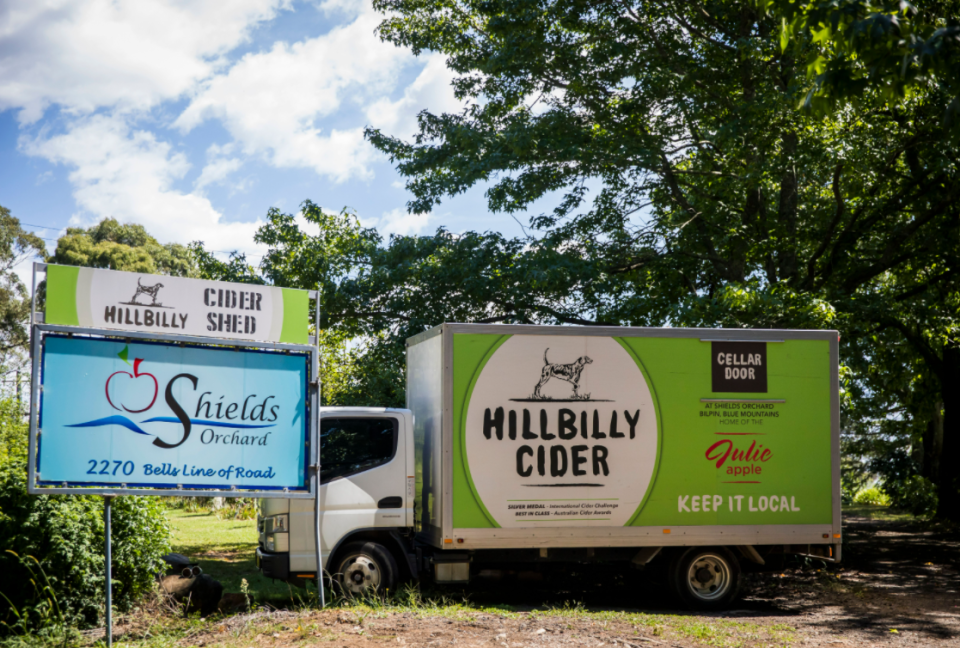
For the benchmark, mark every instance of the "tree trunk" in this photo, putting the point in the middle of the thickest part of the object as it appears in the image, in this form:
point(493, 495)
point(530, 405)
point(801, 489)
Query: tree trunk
point(948, 486)
point(788, 208)
point(933, 445)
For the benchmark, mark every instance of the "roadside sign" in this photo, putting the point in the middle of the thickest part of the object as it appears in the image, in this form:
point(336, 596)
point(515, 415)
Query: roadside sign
point(125, 415)
point(161, 305)
point(154, 385)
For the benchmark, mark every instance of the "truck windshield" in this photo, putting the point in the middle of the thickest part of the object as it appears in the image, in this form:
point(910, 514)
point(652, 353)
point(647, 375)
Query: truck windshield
point(352, 445)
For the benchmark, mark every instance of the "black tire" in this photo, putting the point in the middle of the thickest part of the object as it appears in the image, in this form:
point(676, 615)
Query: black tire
point(365, 568)
point(705, 578)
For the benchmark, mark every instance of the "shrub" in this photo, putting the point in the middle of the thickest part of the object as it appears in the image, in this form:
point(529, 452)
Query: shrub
point(872, 495)
point(917, 495)
point(13, 432)
point(65, 533)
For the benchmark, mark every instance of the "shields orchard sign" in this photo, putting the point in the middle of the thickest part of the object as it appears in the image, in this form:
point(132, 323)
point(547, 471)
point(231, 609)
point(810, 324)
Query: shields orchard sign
point(169, 415)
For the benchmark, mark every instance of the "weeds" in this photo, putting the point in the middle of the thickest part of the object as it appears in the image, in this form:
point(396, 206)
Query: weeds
point(44, 624)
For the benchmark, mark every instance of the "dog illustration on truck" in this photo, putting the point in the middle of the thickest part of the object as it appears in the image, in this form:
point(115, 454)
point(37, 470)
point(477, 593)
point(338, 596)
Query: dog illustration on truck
point(568, 372)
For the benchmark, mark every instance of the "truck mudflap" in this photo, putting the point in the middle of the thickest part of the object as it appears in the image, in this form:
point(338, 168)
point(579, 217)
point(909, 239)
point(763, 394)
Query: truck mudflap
point(273, 565)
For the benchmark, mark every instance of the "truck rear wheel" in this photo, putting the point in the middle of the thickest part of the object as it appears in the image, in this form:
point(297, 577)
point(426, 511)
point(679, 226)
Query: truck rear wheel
point(365, 568)
point(706, 578)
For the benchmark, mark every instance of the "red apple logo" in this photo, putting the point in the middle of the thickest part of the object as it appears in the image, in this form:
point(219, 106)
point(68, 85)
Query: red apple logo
point(134, 376)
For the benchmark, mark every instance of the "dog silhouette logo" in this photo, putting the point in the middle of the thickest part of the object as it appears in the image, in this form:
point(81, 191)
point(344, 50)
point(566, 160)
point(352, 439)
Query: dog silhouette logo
point(149, 291)
point(571, 372)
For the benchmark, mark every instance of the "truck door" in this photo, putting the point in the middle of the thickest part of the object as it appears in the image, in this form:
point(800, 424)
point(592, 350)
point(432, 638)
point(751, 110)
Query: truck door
point(362, 482)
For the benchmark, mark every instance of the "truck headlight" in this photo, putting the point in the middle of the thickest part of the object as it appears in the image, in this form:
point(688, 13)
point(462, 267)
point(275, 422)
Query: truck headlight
point(277, 542)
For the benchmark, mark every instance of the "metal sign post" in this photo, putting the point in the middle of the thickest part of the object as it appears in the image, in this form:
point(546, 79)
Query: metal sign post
point(108, 563)
point(316, 512)
point(316, 517)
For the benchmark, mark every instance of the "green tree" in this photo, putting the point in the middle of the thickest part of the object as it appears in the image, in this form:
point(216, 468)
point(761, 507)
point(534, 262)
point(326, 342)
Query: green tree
point(375, 293)
point(892, 47)
point(16, 245)
point(114, 246)
point(692, 191)
point(236, 269)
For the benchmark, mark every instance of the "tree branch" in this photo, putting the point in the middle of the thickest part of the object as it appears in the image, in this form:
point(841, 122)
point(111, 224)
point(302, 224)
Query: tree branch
point(917, 342)
point(837, 217)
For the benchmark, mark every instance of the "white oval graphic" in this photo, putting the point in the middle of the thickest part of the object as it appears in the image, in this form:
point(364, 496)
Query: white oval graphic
point(561, 430)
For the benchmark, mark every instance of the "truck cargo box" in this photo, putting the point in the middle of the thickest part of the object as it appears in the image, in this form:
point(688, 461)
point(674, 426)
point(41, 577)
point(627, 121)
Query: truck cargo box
point(543, 436)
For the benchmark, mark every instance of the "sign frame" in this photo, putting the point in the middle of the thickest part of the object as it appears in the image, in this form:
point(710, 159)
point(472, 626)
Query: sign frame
point(40, 330)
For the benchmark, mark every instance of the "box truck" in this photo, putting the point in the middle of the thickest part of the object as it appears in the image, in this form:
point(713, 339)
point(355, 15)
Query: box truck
point(525, 447)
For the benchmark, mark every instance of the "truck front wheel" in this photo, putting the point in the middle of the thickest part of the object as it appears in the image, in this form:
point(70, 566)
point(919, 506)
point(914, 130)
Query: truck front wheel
point(706, 578)
point(365, 568)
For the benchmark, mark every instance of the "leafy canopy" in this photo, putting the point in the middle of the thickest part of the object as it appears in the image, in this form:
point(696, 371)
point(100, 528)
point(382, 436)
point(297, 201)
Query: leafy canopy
point(115, 246)
point(16, 245)
point(893, 47)
point(691, 190)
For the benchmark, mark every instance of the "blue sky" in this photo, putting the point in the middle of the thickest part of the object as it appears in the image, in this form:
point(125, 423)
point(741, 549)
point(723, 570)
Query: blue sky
point(193, 118)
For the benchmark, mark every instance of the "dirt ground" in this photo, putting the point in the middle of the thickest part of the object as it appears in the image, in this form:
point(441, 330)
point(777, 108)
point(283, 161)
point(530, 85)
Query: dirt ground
point(898, 585)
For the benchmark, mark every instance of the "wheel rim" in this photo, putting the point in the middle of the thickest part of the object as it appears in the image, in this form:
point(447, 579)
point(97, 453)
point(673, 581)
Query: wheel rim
point(709, 577)
point(359, 574)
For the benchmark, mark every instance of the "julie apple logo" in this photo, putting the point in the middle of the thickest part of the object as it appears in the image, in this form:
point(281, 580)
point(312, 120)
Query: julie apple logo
point(136, 392)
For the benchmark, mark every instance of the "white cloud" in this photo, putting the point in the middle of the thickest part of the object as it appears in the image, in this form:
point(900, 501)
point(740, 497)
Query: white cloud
point(216, 172)
point(348, 7)
point(273, 102)
point(128, 175)
point(132, 54)
point(398, 221)
point(431, 90)
point(109, 64)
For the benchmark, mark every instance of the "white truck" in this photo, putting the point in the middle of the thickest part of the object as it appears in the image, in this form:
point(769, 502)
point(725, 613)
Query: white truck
point(705, 450)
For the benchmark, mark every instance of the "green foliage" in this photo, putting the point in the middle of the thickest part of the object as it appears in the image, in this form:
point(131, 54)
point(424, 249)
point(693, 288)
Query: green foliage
point(692, 192)
point(65, 535)
point(892, 46)
point(368, 373)
point(873, 496)
point(130, 248)
point(42, 624)
point(376, 293)
point(13, 432)
point(236, 269)
point(16, 245)
point(854, 475)
point(917, 495)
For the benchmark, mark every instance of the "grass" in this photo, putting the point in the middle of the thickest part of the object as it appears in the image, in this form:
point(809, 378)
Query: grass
point(226, 549)
point(878, 512)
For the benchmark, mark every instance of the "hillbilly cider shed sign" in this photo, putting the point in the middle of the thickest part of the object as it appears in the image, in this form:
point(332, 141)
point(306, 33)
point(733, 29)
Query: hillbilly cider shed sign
point(163, 305)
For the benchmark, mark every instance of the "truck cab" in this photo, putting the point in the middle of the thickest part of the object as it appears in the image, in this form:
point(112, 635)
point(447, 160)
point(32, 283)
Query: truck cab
point(366, 499)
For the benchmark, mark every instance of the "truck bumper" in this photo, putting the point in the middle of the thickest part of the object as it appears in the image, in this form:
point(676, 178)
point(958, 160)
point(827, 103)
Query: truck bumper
point(273, 565)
